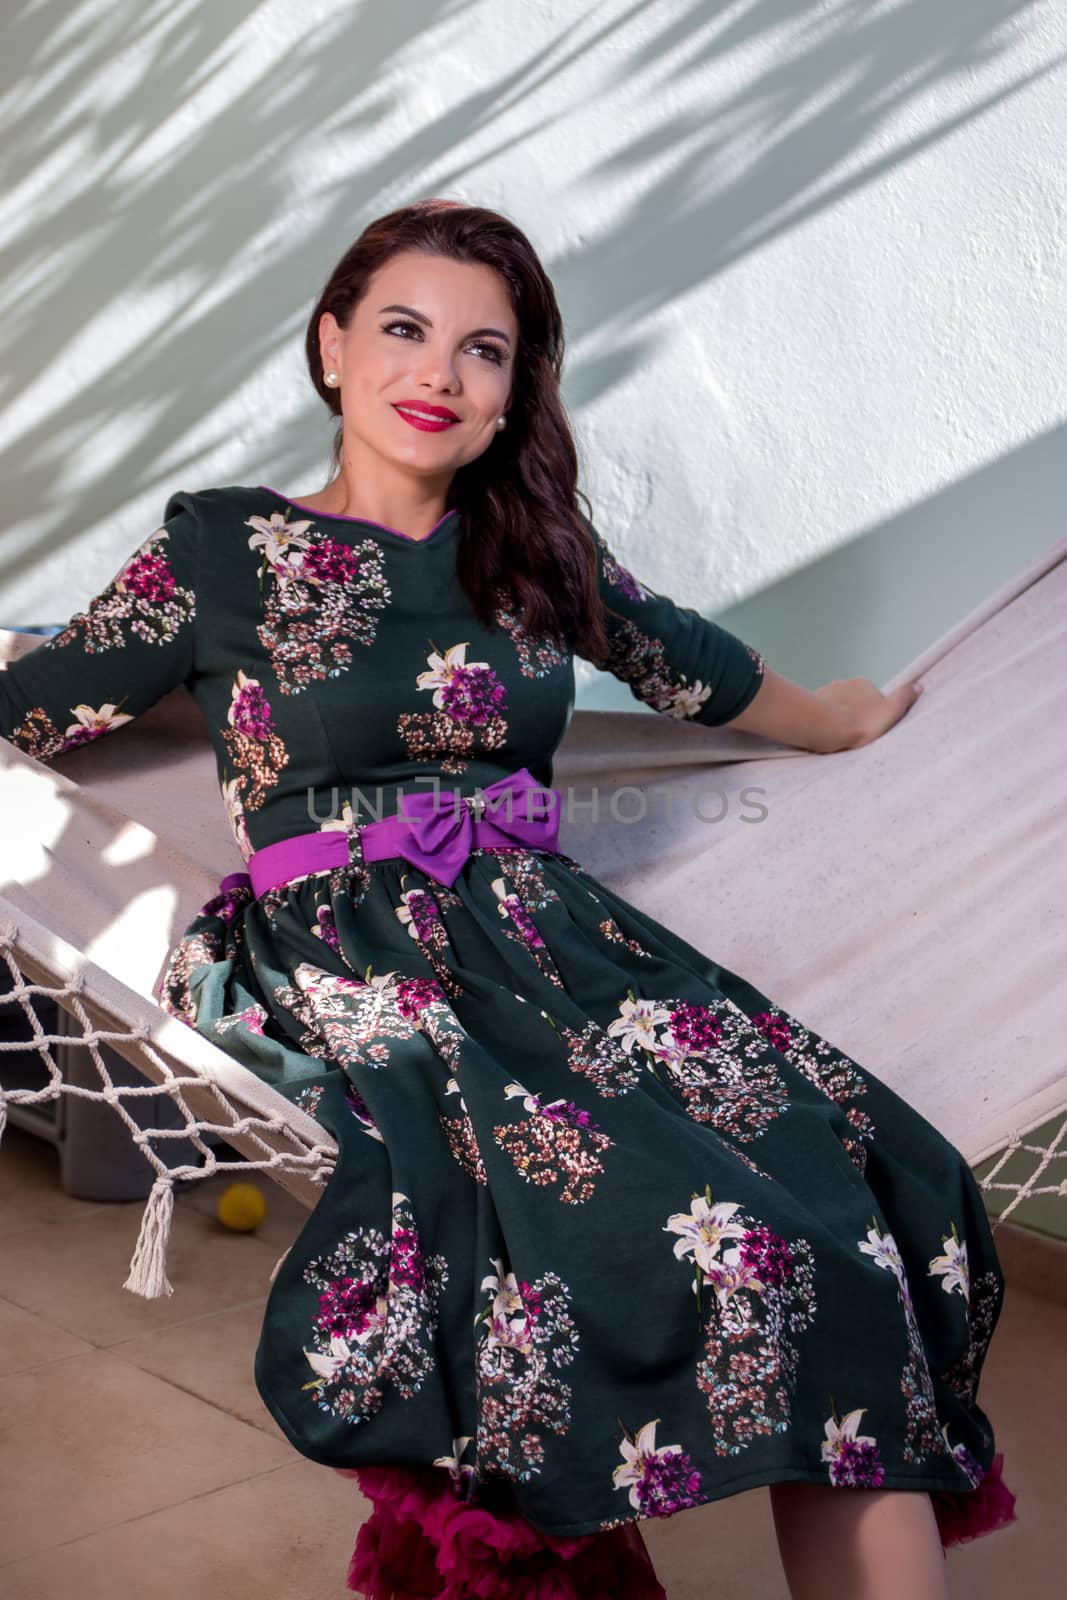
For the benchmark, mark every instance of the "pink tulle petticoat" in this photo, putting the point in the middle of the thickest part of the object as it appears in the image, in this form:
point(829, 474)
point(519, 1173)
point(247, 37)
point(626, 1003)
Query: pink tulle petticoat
point(423, 1542)
point(961, 1517)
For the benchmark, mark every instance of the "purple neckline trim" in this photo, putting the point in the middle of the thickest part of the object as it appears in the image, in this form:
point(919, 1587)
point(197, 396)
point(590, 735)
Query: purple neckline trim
point(336, 516)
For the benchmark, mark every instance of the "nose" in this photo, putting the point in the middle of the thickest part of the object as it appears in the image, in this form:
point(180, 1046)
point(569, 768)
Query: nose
point(436, 370)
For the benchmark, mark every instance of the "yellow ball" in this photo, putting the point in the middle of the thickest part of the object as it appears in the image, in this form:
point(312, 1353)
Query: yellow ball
point(241, 1207)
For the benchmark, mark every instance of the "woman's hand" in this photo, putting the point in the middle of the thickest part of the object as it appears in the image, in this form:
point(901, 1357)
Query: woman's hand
point(840, 716)
point(864, 709)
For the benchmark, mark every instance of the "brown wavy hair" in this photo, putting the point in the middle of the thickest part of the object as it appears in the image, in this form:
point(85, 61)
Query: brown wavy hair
point(523, 538)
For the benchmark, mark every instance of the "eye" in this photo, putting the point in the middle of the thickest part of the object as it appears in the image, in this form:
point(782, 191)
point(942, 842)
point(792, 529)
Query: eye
point(496, 353)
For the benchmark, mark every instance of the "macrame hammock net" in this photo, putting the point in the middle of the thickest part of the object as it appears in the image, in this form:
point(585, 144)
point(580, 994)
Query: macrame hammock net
point(904, 899)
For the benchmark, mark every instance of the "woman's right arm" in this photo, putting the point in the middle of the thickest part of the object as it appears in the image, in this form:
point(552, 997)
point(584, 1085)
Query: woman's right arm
point(135, 641)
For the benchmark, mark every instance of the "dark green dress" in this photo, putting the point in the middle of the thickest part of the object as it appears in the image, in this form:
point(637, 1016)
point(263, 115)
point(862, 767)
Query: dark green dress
point(610, 1233)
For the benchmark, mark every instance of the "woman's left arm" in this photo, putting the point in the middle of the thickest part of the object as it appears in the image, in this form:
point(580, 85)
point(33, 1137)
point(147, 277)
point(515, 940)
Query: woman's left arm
point(686, 666)
point(841, 715)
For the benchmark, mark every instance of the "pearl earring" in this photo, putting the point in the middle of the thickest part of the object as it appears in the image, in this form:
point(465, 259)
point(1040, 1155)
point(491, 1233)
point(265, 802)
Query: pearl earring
point(501, 422)
point(332, 378)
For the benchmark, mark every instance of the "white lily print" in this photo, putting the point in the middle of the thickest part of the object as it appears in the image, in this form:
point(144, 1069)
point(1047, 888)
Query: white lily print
point(531, 1101)
point(340, 824)
point(97, 721)
point(668, 1052)
point(508, 1323)
point(636, 1023)
point(231, 799)
point(442, 667)
point(452, 1087)
point(685, 701)
point(637, 1456)
point(729, 1274)
point(952, 1267)
point(328, 1366)
point(883, 1247)
point(282, 543)
point(457, 1473)
point(703, 1228)
point(837, 1433)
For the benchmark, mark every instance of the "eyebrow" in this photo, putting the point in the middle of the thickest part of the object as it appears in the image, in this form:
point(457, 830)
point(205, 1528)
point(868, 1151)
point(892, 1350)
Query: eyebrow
point(474, 334)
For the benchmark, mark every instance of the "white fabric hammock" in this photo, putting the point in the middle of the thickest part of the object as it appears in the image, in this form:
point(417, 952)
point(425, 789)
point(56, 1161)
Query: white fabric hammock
point(905, 899)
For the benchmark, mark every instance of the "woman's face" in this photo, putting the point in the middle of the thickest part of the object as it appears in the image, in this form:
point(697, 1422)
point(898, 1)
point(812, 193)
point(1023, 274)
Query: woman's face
point(454, 345)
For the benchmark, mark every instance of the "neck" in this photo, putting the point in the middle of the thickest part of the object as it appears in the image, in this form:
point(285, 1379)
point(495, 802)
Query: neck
point(393, 498)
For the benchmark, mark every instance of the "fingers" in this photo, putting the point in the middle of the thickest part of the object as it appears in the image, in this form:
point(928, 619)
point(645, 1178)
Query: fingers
point(905, 697)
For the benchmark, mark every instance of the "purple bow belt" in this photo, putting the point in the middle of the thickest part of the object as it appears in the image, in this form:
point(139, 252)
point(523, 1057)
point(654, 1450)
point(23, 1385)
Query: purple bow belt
point(434, 837)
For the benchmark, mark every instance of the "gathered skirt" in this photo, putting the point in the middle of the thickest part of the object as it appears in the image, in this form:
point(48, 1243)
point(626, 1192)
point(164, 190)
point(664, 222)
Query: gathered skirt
point(611, 1233)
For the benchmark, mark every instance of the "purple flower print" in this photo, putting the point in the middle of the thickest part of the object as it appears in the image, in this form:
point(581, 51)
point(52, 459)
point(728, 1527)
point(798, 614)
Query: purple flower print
point(374, 1332)
point(768, 1254)
point(617, 575)
point(82, 736)
point(149, 577)
point(330, 562)
point(858, 1465)
point(405, 1264)
point(694, 1028)
point(628, 583)
point(661, 1481)
point(319, 597)
point(414, 995)
point(774, 1029)
point(226, 904)
point(469, 704)
point(255, 749)
point(472, 695)
point(567, 1111)
point(531, 1299)
point(250, 712)
point(253, 1017)
point(522, 920)
point(424, 912)
point(326, 928)
point(345, 1307)
point(143, 599)
point(852, 1456)
point(970, 1464)
point(670, 1482)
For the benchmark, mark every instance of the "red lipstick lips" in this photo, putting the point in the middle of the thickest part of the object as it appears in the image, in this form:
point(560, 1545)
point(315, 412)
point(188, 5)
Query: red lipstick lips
point(420, 414)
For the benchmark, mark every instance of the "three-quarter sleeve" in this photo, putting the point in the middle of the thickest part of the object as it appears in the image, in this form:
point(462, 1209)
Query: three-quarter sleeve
point(674, 659)
point(135, 641)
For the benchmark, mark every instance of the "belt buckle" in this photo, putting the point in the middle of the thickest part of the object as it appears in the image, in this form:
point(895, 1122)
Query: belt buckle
point(475, 804)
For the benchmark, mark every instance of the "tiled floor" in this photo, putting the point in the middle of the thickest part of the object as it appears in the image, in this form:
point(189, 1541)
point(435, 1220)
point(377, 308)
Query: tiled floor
point(136, 1458)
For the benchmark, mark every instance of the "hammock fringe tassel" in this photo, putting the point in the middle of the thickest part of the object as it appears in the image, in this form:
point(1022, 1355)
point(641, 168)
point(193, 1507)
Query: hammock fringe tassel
point(148, 1265)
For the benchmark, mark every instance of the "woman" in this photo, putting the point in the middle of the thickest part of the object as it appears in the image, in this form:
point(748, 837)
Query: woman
point(610, 1233)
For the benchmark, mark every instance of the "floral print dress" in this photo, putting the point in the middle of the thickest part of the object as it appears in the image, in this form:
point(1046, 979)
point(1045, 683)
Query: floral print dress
point(611, 1233)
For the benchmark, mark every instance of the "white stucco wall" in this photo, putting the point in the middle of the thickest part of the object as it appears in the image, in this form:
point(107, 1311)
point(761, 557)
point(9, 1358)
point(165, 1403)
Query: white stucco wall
point(811, 258)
